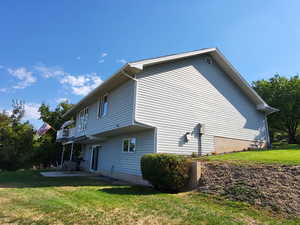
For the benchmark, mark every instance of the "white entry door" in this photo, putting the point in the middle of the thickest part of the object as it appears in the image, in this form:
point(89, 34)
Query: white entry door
point(95, 157)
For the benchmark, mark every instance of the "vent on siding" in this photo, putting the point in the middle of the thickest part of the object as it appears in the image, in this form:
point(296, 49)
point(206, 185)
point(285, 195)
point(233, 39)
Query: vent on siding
point(208, 60)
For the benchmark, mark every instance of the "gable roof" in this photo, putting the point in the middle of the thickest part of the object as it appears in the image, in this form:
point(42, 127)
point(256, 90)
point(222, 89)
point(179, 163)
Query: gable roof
point(132, 68)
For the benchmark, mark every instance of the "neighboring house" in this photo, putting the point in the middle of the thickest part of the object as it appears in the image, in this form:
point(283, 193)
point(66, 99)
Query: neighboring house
point(193, 102)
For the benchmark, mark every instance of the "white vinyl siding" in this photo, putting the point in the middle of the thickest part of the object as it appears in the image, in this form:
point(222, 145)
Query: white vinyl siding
point(112, 159)
point(119, 114)
point(176, 96)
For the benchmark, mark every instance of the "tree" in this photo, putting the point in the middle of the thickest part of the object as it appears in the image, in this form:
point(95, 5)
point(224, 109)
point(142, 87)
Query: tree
point(18, 148)
point(54, 118)
point(283, 94)
point(47, 151)
point(16, 139)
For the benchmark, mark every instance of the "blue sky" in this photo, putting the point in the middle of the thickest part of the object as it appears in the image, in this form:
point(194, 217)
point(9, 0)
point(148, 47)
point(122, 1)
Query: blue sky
point(60, 49)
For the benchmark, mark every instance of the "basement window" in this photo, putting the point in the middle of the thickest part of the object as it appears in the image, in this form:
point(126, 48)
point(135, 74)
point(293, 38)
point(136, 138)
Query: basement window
point(129, 144)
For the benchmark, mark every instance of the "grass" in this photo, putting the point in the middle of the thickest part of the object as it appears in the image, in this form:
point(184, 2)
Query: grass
point(288, 156)
point(28, 198)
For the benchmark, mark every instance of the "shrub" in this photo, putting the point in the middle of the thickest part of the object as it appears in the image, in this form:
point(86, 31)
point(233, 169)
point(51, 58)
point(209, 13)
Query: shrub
point(166, 172)
point(243, 192)
point(298, 139)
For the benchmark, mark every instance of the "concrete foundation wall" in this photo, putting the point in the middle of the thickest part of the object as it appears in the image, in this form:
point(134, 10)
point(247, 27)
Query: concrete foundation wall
point(224, 145)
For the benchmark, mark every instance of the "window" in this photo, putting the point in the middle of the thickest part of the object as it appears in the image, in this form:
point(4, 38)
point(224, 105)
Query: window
point(129, 144)
point(103, 106)
point(83, 117)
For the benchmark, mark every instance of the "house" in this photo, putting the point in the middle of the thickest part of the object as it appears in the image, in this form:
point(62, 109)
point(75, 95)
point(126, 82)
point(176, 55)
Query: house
point(192, 102)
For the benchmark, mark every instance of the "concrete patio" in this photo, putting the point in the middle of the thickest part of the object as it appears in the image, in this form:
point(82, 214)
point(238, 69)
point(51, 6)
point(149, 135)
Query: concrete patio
point(66, 174)
point(84, 174)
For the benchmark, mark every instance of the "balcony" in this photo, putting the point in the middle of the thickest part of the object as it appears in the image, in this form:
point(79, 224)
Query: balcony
point(65, 134)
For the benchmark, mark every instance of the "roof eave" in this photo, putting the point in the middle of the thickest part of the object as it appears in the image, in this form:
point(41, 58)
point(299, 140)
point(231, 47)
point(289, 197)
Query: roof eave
point(137, 66)
point(74, 108)
point(217, 54)
point(266, 108)
point(163, 59)
point(238, 78)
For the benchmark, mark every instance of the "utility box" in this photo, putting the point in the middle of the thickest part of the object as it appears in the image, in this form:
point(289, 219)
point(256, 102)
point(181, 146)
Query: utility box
point(201, 128)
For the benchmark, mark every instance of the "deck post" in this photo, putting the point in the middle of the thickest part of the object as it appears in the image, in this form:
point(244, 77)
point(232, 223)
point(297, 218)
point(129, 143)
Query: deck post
point(71, 155)
point(62, 156)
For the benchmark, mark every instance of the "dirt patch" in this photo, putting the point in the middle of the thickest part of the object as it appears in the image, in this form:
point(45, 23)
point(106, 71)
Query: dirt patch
point(274, 186)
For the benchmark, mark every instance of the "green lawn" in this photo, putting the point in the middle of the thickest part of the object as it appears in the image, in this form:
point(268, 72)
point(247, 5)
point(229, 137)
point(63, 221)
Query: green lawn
point(289, 156)
point(28, 198)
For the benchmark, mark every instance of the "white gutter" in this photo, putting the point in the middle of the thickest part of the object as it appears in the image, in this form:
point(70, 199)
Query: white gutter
point(127, 75)
point(266, 108)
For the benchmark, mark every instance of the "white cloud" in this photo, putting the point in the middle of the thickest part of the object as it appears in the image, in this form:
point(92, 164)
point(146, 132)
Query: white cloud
point(3, 89)
point(123, 61)
point(31, 114)
point(31, 111)
point(74, 80)
point(84, 90)
point(59, 100)
point(78, 84)
point(48, 72)
point(103, 54)
point(25, 77)
point(6, 111)
point(82, 84)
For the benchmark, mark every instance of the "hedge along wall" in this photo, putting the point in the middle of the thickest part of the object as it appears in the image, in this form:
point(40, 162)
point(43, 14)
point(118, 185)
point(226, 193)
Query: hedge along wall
point(273, 186)
point(166, 172)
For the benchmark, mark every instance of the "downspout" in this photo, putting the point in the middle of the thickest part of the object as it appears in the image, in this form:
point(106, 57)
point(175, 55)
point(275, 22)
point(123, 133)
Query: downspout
point(62, 155)
point(134, 94)
point(267, 111)
point(271, 110)
point(134, 120)
point(267, 130)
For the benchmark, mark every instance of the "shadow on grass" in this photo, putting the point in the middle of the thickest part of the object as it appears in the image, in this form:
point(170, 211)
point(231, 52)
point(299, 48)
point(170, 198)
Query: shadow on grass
point(130, 190)
point(33, 179)
point(277, 146)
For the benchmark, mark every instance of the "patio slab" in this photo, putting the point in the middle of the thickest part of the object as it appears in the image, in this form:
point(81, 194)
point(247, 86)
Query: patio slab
point(84, 174)
point(66, 174)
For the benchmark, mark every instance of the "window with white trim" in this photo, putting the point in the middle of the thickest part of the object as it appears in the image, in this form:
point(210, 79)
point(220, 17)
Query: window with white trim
point(83, 118)
point(103, 106)
point(129, 144)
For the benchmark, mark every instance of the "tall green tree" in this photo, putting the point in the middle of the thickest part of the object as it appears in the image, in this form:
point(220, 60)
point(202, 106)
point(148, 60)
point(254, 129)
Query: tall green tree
point(47, 150)
point(16, 138)
point(54, 117)
point(284, 94)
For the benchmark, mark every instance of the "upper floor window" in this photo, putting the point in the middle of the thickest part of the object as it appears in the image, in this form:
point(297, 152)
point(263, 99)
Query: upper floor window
point(83, 117)
point(103, 106)
point(129, 144)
